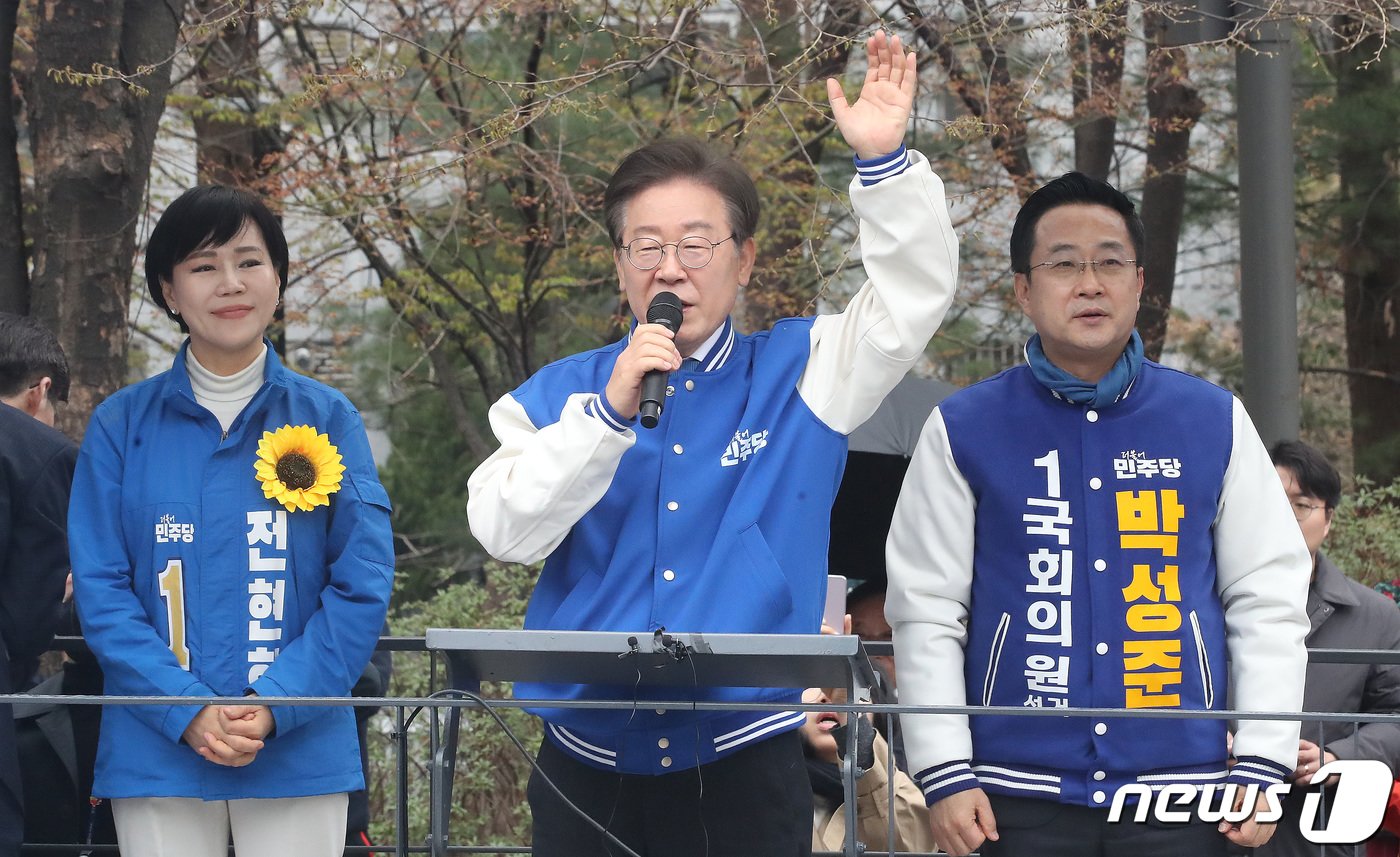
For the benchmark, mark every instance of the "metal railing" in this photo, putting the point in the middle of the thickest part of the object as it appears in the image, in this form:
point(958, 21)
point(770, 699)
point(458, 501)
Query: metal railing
point(407, 709)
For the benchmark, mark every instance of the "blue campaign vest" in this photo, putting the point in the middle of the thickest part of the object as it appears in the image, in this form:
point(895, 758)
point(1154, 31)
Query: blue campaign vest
point(1094, 578)
point(188, 498)
point(716, 521)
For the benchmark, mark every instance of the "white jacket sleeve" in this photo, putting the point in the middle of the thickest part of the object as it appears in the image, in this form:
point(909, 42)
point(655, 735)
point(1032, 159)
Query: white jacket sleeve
point(910, 254)
point(1262, 571)
point(929, 557)
point(524, 499)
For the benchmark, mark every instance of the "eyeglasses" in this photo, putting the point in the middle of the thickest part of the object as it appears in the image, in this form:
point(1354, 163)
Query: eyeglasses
point(1068, 270)
point(692, 251)
point(1303, 510)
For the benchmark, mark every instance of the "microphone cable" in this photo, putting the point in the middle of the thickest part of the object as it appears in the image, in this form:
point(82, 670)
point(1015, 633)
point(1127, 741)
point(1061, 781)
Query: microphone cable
point(454, 693)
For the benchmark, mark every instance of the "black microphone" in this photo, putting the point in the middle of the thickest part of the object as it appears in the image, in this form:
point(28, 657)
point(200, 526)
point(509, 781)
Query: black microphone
point(665, 310)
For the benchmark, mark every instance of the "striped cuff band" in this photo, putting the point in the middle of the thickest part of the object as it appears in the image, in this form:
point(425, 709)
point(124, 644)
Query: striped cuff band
point(945, 780)
point(598, 407)
point(878, 169)
point(1257, 770)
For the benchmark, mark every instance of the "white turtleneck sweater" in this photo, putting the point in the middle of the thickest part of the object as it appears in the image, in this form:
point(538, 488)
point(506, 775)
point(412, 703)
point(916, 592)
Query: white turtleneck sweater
point(225, 395)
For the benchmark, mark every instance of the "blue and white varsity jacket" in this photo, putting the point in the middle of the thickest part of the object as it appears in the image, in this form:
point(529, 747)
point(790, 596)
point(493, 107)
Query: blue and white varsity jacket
point(189, 582)
point(1049, 554)
point(717, 519)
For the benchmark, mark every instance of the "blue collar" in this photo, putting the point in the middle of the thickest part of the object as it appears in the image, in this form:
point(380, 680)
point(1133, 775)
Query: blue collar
point(1111, 388)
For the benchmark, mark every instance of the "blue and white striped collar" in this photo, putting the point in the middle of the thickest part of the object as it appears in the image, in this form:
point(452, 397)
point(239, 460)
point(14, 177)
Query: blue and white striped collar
point(714, 352)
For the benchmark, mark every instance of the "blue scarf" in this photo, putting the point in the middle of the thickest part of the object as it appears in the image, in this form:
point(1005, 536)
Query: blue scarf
point(1108, 390)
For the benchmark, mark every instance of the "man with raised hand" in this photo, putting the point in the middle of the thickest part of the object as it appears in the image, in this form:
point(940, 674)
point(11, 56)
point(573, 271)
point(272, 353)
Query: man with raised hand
point(715, 519)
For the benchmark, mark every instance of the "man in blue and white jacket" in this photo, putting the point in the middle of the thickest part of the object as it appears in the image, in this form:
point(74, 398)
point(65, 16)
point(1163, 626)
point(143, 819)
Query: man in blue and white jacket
point(716, 519)
point(1091, 529)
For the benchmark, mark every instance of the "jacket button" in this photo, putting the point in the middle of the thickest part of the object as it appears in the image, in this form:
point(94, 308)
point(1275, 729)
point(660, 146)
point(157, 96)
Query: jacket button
point(690, 385)
point(1100, 797)
point(673, 505)
point(1092, 416)
point(1100, 728)
point(1100, 565)
point(1100, 775)
point(1101, 648)
point(668, 574)
point(665, 761)
point(678, 449)
point(1096, 483)
point(670, 390)
point(664, 743)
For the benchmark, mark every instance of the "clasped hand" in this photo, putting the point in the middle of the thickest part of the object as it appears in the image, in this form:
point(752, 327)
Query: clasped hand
point(229, 735)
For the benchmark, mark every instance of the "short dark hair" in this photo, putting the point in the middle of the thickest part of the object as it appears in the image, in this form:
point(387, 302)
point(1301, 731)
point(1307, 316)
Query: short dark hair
point(207, 216)
point(1315, 474)
point(1071, 189)
point(873, 588)
point(29, 352)
point(682, 158)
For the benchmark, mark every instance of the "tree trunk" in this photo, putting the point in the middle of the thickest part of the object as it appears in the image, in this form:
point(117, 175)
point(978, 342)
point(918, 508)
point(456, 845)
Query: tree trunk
point(1370, 258)
point(1173, 107)
point(14, 271)
point(92, 143)
point(229, 145)
point(1096, 80)
point(988, 93)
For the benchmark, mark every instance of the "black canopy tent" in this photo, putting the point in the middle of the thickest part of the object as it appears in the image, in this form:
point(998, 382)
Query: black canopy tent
point(879, 456)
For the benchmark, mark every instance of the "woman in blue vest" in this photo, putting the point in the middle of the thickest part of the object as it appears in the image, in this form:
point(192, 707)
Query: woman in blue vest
point(229, 537)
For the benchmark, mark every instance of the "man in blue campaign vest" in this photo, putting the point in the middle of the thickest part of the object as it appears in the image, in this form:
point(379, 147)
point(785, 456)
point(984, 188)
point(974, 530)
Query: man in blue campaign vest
point(1092, 530)
point(716, 519)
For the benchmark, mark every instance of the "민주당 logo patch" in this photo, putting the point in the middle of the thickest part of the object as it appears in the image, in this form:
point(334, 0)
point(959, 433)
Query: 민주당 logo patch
point(744, 444)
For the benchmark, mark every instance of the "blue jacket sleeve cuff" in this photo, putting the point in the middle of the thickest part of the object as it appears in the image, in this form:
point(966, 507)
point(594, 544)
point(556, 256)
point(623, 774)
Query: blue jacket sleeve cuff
point(599, 408)
point(878, 169)
point(946, 780)
point(1258, 771)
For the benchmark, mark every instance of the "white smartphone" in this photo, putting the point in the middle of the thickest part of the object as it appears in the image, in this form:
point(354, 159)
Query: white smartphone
point(834, 616)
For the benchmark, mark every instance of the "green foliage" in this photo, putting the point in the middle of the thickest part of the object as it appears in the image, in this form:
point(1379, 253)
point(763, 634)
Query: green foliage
point(426, 473)
point(488, 805)
point(1365, 537)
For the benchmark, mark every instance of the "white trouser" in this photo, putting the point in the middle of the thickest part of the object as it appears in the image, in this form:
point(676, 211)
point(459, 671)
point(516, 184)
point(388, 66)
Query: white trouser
point(189, 827)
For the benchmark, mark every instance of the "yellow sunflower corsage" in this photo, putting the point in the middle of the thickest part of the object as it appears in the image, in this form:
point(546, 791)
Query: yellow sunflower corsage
point(298, 467)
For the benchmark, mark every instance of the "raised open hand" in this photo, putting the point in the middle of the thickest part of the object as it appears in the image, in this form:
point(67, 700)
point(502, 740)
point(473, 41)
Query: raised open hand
point(875, 124)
